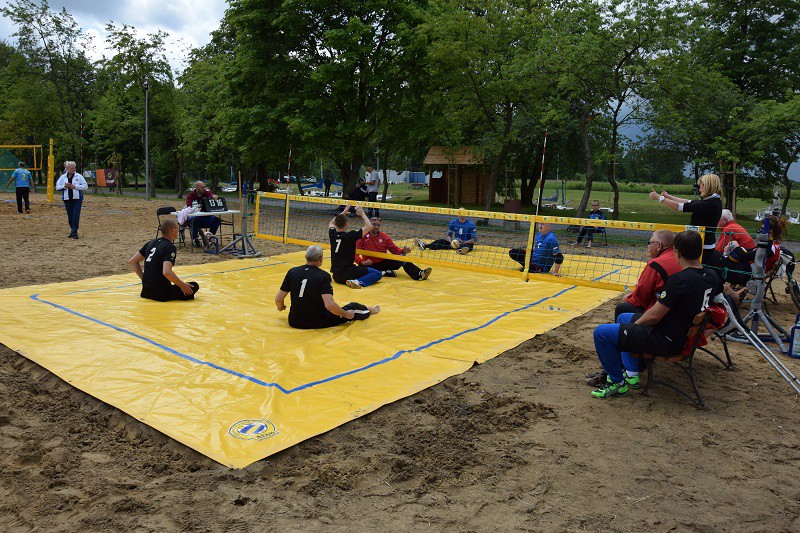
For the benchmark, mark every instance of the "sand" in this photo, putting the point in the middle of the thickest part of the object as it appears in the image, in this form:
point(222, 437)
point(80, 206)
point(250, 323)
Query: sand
point(514, 444)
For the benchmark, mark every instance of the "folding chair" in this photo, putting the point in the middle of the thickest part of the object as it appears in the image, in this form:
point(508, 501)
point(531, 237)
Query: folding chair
point(704, 322)
point(163, 211)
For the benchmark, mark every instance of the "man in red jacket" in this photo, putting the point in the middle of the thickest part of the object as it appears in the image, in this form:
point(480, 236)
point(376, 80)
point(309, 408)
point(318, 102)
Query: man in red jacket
point(731, 231)
point(662, 265)
point(378, 241)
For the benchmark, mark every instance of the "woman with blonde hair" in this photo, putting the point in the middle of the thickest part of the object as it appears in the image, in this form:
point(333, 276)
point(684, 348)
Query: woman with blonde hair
point(705, 212)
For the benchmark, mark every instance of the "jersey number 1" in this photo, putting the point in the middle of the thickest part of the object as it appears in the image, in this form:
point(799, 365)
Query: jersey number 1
point(302, 288)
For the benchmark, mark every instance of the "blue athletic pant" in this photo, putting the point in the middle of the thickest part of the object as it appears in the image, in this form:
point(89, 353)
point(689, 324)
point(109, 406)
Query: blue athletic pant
point(370, 278)
point(73, 208)
point(606, 341)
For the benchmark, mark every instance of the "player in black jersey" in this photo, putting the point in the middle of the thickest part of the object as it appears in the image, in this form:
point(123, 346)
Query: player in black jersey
point(313, 306)
point(159, 257)
point(705, 212)
point(663, 328)
point(343, 252)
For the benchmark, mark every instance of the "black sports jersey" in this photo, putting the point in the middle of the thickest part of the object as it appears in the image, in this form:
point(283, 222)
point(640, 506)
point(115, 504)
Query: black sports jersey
point(705, 212)
point(343, 248)
point(155, 253)
point(307, 284)
point(686, 293)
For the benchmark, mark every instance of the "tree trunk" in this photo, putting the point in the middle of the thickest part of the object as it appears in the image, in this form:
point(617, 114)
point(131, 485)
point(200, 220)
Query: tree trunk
point(612, 179)
point(491, 187)
point(588, 156)
point(385, 174)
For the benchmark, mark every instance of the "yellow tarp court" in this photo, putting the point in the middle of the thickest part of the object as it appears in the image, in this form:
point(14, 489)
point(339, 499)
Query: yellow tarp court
point(225, 374)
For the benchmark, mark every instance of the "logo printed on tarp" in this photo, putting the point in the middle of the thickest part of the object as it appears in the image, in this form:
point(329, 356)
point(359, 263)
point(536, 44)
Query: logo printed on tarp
point(253, 429)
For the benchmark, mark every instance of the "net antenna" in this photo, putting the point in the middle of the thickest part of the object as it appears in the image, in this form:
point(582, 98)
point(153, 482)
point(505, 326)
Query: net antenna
point(541, 174)
point(30, 154)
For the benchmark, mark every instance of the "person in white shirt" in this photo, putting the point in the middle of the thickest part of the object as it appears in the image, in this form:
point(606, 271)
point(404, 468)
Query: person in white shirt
point(373, 186)
point(71, 184)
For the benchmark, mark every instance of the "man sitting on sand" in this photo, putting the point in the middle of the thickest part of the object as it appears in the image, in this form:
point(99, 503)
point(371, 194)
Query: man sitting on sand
point(313, 306)
point(159, 257)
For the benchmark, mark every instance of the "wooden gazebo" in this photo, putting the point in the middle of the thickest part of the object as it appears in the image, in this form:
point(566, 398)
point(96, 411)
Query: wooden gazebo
point(464, 176)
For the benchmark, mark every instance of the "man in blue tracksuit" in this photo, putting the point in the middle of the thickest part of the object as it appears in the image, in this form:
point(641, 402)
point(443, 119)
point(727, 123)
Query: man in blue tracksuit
point(589, 231)
point(24, 184)
point(459, 229)
point(546, 256)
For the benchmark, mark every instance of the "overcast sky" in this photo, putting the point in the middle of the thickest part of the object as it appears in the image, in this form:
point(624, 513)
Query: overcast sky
point(188, 22)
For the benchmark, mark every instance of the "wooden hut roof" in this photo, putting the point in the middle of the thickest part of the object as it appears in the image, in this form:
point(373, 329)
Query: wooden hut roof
point(441, 155)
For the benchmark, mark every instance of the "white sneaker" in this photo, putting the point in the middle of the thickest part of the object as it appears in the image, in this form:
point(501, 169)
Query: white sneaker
point(423, 275)
point(420, 244)
point(353, 283)
point(463, 250)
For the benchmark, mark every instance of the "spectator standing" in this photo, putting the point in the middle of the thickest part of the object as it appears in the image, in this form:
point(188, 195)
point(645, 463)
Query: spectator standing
point(23, 183)
point(72, 186)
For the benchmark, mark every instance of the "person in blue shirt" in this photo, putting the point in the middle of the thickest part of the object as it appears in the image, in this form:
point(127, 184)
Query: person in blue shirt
point(459, 229)
point(546, 256)
point(589, 231)
point(24, 184)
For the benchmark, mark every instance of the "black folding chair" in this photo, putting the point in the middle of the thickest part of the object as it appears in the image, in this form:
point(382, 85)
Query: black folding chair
point(164, 211)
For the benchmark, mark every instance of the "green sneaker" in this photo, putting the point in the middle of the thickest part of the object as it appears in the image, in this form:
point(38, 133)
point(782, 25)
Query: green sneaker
point(609, 390)
point(633, 382)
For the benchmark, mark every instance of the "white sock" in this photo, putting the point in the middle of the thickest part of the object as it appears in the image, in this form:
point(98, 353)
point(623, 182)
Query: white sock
point(631, 374)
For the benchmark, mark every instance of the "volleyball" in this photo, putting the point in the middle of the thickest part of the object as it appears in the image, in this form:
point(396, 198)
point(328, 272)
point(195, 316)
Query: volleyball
point(455, 243)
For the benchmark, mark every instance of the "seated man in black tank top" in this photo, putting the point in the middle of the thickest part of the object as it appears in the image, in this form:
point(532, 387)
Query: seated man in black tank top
point(159, 258)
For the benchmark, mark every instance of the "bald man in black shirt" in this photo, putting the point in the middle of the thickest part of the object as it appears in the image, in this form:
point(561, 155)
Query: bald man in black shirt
point(159, 258)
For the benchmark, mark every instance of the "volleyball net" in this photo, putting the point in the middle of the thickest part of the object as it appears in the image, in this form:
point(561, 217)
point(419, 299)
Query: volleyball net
point(598, 253)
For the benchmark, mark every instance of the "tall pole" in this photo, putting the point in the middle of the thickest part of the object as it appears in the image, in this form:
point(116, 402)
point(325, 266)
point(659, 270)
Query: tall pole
point(541, 174)
point(146, 140)
point(289, 170)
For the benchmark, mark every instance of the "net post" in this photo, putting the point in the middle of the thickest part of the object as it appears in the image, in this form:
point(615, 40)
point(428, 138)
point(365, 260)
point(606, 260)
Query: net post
point(258, 208)
point(286, 217)
point(529, 247)
point(51, 170)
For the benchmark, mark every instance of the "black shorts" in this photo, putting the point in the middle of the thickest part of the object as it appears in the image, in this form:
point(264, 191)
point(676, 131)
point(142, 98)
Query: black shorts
point(354, 272)
point(168, 293)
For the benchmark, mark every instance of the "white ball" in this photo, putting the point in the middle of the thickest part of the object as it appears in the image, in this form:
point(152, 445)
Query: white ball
point(456, 244)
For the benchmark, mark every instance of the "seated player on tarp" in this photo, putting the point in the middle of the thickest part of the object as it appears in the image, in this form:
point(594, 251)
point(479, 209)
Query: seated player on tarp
point(546, 253)
point(313, 306)
point(343, 252)
point(663, 328)
point(461, 236)
point(378, 241)
point(159, 258)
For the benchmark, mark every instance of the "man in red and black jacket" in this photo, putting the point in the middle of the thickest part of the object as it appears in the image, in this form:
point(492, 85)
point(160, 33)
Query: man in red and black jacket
point(731, 231)
point(211, 222)
point(378, 241)
point(661, 266)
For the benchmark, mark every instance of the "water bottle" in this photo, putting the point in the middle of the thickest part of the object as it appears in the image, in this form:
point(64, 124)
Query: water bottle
point(195, 206)
point(794, 339)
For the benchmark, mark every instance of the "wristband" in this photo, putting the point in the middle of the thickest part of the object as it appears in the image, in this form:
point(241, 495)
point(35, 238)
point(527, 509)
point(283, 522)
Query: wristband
point(662, 198)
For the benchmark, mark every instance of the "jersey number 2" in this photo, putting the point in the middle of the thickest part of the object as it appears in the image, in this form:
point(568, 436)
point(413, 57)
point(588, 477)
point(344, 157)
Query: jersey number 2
point(149, 257)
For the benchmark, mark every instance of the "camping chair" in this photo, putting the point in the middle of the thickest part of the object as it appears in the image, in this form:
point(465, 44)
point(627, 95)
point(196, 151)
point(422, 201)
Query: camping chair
point(711, 319)
point(164, 211)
